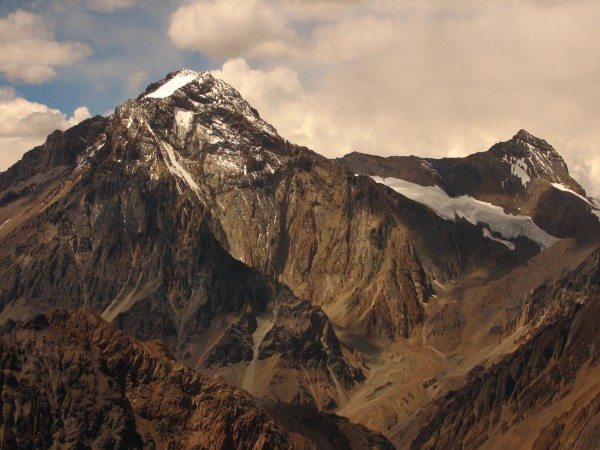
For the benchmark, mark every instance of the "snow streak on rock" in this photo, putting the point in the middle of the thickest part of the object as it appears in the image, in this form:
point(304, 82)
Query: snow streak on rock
point(518, 168)
point(593, 207)
point(177, 169)
point(181, 79)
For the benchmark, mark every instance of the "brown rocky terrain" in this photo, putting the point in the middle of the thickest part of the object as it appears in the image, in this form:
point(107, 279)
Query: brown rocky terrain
point(544, 394)
point(115, 237)
point(69, 379)
point(217, 169)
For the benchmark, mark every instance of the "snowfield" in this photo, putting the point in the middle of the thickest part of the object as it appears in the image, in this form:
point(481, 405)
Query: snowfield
point(475, 211)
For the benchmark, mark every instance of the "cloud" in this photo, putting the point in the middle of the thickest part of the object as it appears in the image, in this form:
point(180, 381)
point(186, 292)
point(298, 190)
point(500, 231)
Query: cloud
point(230, 28)
point(426, 77)
point(30, 51)
point(278, 95)
point(583, 160)
point(25, 124)
point(136, 79)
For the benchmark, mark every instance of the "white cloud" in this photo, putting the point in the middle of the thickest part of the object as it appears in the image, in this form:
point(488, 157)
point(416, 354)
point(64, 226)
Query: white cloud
point(79, 115)
point(30, 51)
point(282, 101)
point(230, 28)
point(25, 124)
point(583, 160)
point(423, 77)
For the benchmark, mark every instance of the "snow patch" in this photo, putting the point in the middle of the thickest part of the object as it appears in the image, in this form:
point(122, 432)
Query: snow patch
point(207, 135)
point(595, 210)
point(475, 211)
point(178, 81)
point(488, 234)
point(96, 148)
point(90, 151)
point(183, 118)
point(562, 187)
point(177, 169)
point(227, 160)
point(518, 167)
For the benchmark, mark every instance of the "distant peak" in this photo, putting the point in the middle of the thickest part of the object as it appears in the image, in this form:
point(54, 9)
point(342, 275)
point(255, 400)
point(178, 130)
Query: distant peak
point(532, 141)
point(524, 135)
point(531, 158)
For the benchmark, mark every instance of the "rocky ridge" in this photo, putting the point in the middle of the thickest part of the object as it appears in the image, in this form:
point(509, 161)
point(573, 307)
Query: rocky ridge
point(274, 206)
point(537, 395)
point(69, 378)
point(189, 208)
point(119, 229)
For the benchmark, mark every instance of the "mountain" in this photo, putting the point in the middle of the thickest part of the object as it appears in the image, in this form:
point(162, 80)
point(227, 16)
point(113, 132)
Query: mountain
point(123, 228)
point(273, 206)
point(185, 217)
point(524, 176)
point(71, 379)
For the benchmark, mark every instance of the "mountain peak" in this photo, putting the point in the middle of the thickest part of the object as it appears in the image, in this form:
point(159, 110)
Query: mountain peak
point(533, 143)
point(175, 81)
point(525, 136)
point(200, 92)
point(533, 158)
point(195, 124)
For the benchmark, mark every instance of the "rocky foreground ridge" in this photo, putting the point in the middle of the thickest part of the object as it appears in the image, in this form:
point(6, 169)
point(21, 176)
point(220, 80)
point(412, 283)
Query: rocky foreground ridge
point(68, 378)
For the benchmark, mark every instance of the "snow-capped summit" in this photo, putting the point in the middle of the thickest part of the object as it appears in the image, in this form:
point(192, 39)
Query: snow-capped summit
point(173, 82)
point(531, 158)
point(524, 176)
point(202, 93)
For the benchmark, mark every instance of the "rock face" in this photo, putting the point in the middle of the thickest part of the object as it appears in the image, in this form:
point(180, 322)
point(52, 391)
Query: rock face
point(524, 175)
point(132, 205)
point(519, 402)
point(203, 303)
point(71, 379)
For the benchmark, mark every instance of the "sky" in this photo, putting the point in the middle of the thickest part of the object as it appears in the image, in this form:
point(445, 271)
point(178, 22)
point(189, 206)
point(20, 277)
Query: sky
point(431, 78)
